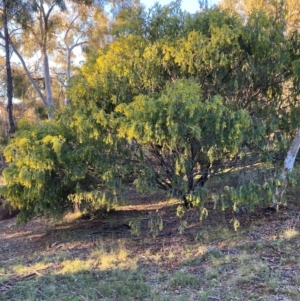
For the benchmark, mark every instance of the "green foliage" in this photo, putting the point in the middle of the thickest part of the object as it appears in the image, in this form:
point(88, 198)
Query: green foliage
point(170, 101)
point(251, 193)
point(36, 179)
point(52, 167)
point(155, 224)
point(181, 136)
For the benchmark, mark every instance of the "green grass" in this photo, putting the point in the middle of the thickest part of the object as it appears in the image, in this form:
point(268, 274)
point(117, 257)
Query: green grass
point(184, 279)
point(104, 275)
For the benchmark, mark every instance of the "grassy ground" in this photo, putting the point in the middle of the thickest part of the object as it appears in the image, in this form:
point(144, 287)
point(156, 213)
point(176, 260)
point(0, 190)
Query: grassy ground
point(101, 259)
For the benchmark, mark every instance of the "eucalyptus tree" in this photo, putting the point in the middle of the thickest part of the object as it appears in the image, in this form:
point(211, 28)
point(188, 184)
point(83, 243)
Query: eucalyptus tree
point(37, 39)
point(11, 13)
point(56, 27)
point(5, 37)
point(6, 45)
point(81, 24)
point(289, 10)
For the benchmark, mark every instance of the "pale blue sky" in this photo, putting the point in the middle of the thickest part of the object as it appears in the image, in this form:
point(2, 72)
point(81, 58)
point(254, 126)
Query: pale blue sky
point(188, 5)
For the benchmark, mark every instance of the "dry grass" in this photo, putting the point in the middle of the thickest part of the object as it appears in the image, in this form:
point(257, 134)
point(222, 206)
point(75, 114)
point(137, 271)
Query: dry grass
point(101, 259)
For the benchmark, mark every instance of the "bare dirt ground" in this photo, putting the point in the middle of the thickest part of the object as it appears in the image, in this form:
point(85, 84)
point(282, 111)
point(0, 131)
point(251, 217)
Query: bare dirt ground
point(42, 235)
point(260, 234)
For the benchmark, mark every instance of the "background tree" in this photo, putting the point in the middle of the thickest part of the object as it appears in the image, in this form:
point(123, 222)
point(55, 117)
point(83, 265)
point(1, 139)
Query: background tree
point(289, 10)
point(47, 23)
point(80, 26)
point(10, 13)
point(38, 32)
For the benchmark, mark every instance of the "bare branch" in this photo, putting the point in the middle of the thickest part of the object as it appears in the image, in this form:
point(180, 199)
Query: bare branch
point(34, 84)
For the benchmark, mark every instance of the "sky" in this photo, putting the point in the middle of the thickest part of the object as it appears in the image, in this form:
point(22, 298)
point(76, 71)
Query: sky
point(188, 5)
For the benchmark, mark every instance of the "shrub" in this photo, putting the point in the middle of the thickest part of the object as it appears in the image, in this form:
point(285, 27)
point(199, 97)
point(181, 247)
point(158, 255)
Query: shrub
point(49, 171)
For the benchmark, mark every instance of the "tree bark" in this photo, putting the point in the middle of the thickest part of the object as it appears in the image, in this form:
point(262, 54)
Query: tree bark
point(49, 98)
point(288, 167)
point(9, 79)
point(34, 84)
point(68, 74)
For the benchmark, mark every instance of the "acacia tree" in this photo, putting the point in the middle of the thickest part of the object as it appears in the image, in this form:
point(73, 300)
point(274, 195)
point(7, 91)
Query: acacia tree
point(246, 64)
point(63, 155)
point(285, 12)
point(167, 103)
point(182, 136)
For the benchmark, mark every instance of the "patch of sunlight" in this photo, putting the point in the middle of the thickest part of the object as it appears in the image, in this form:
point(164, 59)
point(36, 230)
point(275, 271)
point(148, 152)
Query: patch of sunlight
point(147, 253)
point(75, 266)
point(202, 249)
point(123, 254)
point(39, 235)
point(17, 234)
point(155, 256)
point(114, 258)
point(290, 233)
point(129, 264)
point(171, 255)
point(52, 248)
point(152, 206)
point(108, 260)
point(21, 270)
point(72, 216)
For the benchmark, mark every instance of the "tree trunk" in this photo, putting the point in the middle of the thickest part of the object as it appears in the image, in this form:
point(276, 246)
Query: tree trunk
point(68, 74)
point(9, 87)
point(34, 84)
point(49, 98)
point(288, 167)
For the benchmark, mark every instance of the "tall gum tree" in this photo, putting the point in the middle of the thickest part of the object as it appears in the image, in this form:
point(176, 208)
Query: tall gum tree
point(8, 68)
point(12, 14)
point(288, 9)
point(45, 25)
point(38, 34)
point(81, 24)
point(8, 9)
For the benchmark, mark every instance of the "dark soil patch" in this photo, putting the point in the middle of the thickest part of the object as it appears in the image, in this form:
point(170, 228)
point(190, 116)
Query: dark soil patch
point(45, 235)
